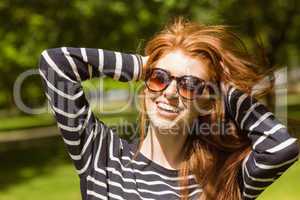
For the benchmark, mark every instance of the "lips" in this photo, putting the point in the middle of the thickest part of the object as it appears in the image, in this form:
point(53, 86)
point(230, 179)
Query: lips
point(167, 110)
point(167, 107)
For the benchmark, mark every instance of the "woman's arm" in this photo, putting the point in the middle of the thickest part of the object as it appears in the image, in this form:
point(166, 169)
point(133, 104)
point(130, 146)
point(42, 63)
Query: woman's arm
point(62, 71)
point(273, 149)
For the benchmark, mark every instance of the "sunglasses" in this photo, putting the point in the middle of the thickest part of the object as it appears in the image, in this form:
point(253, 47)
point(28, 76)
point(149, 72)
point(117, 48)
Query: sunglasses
point(188, 87)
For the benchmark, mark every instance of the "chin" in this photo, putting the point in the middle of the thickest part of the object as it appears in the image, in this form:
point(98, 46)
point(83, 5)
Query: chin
point(160, 122)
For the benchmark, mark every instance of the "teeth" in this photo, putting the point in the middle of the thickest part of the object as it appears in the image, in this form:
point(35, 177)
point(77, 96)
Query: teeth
point(167, 107)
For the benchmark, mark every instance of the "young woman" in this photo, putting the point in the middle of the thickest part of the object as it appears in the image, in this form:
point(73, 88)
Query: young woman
point(203, 136)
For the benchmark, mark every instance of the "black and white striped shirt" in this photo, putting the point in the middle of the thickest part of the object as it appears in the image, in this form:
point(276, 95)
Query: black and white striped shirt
point(104, 161)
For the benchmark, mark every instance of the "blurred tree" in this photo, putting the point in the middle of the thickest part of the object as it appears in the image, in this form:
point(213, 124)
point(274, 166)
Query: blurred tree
point(275, 25)
point(28, 27)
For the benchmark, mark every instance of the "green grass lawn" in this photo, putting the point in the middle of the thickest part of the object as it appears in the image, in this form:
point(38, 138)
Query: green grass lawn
point(286, 187)
point(24, 122)
point(59, 183)
point(40, 172)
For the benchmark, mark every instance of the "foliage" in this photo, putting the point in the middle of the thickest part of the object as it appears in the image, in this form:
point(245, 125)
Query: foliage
point(28, 27)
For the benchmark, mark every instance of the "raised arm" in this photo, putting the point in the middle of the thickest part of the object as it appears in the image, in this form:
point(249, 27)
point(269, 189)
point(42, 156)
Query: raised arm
point(273, 149)
point(62, 71)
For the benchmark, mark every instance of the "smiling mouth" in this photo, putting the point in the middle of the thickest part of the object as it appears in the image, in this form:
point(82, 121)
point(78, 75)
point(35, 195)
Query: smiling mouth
point(167, 108)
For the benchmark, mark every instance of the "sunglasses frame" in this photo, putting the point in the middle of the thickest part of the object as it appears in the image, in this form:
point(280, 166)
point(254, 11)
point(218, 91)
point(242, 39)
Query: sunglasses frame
point(170, 78)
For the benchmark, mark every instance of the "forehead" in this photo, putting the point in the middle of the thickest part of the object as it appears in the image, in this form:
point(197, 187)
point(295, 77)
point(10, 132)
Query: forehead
point(180, 64)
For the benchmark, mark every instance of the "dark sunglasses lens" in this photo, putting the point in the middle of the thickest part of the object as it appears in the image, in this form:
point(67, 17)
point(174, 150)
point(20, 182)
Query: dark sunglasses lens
point(158, 80)
point(190, 87)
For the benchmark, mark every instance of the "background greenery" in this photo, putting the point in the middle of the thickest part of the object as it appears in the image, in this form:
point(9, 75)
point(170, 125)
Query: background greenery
point(30, 26)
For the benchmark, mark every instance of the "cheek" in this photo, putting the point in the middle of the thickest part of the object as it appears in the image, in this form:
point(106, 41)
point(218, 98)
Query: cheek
point(151, 96)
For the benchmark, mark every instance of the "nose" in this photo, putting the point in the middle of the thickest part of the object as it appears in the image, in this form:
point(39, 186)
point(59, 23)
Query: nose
point(171, 91)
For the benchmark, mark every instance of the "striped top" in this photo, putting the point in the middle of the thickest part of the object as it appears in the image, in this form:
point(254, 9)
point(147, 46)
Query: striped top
point(104, 161)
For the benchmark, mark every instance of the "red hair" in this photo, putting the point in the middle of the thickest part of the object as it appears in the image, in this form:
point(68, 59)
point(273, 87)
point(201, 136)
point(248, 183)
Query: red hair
point(214, 159)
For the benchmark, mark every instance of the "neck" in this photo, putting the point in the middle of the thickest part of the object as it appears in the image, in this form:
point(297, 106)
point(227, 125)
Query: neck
point(164, 147)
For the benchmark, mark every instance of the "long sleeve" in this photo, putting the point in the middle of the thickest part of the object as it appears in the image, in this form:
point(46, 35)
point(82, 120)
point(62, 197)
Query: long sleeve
point(273, 149)
point(62, 70)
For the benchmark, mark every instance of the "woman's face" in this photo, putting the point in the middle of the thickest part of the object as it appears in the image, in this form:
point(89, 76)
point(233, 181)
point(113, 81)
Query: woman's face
point(167, 109)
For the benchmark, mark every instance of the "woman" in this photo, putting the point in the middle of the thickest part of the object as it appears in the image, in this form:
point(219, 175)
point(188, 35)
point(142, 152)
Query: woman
point(204, 136)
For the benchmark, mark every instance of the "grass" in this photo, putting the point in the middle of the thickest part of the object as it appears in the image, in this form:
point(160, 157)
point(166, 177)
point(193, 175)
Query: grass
point(286, 187)
point(39, 172)
point(294, 111)
point(293, 99)
point(25, 122)
point(60, 183)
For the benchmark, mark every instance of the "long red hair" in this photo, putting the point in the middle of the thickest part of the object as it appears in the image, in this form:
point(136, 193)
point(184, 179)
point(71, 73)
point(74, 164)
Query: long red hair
point(215, 159)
